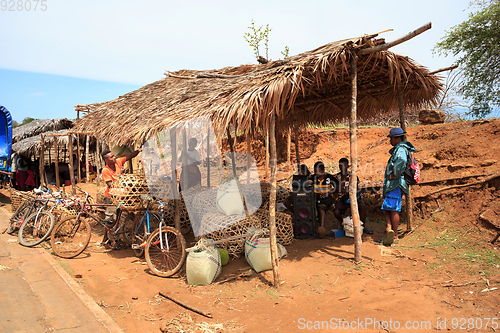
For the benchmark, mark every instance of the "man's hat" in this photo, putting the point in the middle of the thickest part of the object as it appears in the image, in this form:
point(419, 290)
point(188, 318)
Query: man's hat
point(396, 132)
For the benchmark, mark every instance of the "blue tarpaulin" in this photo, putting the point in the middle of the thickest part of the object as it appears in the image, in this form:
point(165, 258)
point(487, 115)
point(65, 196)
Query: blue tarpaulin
point(5, 138)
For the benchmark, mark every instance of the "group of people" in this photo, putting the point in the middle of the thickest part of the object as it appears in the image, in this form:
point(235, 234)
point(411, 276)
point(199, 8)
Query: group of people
point(332, 191)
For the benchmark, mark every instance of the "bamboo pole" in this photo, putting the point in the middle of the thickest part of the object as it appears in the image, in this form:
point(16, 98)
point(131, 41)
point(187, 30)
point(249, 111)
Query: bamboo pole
point(42, 161)
point(208, 156)
point(289, 146)
point(249, 155)
point(266, 168)
point(173, 148)
point(78, 157)
point(272, 202)
point(71, 171)
point(56, 165)
point(402, 119)
point(297, 153)
point(353, 184)
point(50, 159)
point(87, 159)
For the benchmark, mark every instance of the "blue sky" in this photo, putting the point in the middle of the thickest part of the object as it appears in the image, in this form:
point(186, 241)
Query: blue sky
point(79, 52)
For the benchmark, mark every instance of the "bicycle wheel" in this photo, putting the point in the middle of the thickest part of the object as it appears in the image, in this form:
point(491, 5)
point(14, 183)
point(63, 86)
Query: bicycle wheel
point(70, 237)
point(19, 216)
point(140, 231)
point(36, 228)
point(167, 257)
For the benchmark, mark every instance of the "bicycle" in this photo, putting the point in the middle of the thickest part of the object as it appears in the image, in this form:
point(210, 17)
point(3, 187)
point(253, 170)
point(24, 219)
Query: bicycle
point(143, 226)
point(165, 248)
point(71, 236)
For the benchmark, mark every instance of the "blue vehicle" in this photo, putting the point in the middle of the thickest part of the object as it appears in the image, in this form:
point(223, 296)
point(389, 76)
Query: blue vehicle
point(5, 139)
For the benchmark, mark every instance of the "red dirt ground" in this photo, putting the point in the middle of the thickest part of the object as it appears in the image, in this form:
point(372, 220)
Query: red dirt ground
point(445, 269)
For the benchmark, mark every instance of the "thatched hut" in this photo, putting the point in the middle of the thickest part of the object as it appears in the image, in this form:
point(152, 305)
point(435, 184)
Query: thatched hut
point(38, 126)
point(355, 78)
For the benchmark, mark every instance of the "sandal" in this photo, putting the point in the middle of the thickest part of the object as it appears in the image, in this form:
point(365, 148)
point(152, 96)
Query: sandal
point(389, 238)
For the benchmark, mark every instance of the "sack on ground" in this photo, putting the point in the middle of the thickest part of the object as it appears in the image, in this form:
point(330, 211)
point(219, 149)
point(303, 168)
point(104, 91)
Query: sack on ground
point(229, 198)
point(348, 225)
point(258, 252)
point(203, 266)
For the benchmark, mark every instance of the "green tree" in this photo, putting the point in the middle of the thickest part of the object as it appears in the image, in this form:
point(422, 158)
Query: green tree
point(476, 43)
point(27, 120)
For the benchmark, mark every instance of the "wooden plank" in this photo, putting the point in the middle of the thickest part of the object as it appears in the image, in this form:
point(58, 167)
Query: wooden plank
point(208, 155)
point(272, 202)
point(358, 229)
point(98, 162)
point(41, 161)
point(173, 147)
point(249, 155)
point(78, 157)
point(297, 150)
point(266, 167)
point(289, 146)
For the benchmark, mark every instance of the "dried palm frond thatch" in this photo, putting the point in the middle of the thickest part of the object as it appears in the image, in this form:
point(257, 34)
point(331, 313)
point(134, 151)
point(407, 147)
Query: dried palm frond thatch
point(312, 87)
point(31, 146)
point(38, 126)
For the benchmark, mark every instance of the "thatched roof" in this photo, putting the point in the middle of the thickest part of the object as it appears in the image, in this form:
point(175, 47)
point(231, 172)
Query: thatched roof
point(31, 145)
point(313, 87)
point(38, 126)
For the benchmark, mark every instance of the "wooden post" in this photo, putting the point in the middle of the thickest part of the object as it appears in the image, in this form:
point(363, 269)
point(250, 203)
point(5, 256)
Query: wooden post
point(249, 155)
point(41, 161)
point(173, 148)
point(185, 176)
point(71, 171)
point(353, 184)
point(98, 162)
point(56, 165)
point(267, 155)
point(87, 159)
point(208, 156)
point(297, 154)
point(231, 147)
point(78, 157)
point(272, 202)
point(402, 120)
point(48, 150)
point(289, 146)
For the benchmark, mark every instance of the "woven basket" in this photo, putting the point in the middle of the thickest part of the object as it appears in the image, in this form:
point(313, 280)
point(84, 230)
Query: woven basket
point(126, 191)
point(236, 247)
point(18, 197)
point(284, 225)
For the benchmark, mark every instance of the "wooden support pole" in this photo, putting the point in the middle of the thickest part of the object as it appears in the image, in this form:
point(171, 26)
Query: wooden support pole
point(266, 168)
point(87, 159)
point(272, 202)
point(395, 42)
point(173, 148)
point(185, 176)
point(71, 170)
point(208, 155)
point(56, 165)
point(231, 147)
point(297, 153)
point(402, 119)
point(249, 156)
point(289, 146)
point(78, 157)
point(98, 162)
point(42, 161)
point(353, 184)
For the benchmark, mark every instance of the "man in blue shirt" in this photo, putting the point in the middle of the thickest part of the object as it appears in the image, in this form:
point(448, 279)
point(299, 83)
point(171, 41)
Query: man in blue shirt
point(394, 182)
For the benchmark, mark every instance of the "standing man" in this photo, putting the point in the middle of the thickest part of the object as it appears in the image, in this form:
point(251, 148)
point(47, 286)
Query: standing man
point(112, 170)
point(394, 183)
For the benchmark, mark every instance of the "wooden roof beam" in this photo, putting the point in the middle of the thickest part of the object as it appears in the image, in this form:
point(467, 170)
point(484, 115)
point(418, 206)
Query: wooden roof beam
point(395, 42)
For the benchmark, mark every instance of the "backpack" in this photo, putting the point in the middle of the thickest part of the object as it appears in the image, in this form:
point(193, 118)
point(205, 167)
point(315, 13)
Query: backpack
point(412, 170)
